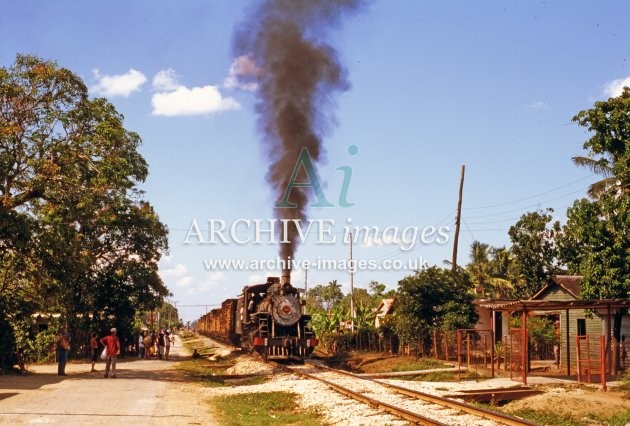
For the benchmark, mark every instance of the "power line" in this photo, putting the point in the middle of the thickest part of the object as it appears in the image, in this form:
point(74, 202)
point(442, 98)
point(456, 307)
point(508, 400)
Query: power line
point(582, 190)
point(531, 196)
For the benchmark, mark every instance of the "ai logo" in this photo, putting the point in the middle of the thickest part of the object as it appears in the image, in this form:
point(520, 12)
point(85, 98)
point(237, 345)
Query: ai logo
point(306, 162)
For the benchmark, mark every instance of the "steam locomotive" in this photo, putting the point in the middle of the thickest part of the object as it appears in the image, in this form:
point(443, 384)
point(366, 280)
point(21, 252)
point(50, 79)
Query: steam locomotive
point(266, 318)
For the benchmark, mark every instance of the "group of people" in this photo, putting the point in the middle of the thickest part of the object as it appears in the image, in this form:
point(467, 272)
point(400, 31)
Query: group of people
point(111, 350)
point(150, 344)
point(155, 344)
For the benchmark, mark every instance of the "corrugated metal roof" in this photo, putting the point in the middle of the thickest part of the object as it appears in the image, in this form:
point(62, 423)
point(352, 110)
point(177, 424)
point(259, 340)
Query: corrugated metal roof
point(548, 305)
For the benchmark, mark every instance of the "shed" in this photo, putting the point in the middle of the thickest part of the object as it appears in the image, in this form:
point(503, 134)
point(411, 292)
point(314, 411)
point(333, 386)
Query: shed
point(561, 296)
point(580, 322)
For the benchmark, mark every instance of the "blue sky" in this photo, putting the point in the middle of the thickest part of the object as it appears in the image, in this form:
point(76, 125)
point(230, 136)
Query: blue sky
point(434, 85)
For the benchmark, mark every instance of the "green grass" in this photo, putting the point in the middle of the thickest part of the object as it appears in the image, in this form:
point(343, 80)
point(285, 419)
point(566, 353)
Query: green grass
point(619, 419)
point(437, 376)
point(256, 380)
point(420, 364)
point(200, 370)
point(185, 334)
point(277, 408)
point(193, 342)
point(442, 376)
point(546, 417)
point(549, 418)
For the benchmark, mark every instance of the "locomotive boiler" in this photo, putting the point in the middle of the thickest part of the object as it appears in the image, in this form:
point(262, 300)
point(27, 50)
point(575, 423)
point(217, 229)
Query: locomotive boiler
point(267, 318)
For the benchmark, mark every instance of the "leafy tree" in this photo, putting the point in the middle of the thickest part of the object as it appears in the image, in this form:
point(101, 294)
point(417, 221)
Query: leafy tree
point(361, 298)
point(491, 270)
point(433, 299)
point(378, 291)
point(479, 266)
point(327, 324)
point(595, 242)
point(75, 235)
point(534, 251)
point(503, 270)
point(608, 150)
point(323, 297)
point(364, 317)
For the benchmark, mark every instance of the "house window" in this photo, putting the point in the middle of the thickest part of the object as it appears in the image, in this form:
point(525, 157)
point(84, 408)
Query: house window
point(581, 327)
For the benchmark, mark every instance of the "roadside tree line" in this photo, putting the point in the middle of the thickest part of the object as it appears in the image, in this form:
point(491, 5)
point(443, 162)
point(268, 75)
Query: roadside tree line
point(77, 239)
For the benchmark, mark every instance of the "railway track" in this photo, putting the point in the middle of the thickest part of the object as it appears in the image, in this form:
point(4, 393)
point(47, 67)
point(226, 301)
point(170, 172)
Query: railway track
point(414, 406)
point(411, 405)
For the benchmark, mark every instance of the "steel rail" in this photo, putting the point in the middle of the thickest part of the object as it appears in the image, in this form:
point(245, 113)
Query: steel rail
point(445, 402)
point(397, 411)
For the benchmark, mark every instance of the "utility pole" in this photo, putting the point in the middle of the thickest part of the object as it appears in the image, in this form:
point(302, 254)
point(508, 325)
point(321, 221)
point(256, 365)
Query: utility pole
point(459, 218)
point(304, 308)
point(351, 288)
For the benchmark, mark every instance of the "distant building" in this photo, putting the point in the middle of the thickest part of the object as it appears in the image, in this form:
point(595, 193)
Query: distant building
point(386, 307)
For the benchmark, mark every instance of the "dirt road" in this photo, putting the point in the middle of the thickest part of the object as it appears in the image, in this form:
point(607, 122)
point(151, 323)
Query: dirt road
point(146, 392)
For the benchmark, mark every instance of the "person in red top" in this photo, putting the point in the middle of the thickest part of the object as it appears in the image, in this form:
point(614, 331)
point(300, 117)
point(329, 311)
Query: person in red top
point(112, 344)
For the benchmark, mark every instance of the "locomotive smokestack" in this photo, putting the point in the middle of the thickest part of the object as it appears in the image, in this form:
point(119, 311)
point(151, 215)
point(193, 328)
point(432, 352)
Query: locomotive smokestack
point(298, 74)
point(286, 277)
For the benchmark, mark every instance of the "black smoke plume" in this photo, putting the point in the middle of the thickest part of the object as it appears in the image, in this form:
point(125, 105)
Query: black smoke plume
point(299, 74)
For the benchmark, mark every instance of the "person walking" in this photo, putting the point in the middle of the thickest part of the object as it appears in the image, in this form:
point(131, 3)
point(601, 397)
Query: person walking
point(63, 348)
point(112, 345)
point(94, 349)
point(161, 344)
point(148, 345)
point(167, 344)
point(141, 345)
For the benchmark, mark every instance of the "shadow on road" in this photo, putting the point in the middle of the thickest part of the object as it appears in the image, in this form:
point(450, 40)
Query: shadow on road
point(127, 368)
point(28, 381)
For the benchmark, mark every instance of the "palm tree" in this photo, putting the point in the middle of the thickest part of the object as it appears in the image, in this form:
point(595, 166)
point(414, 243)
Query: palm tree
point(601, 167)
point(478, 266)
point(491, 270)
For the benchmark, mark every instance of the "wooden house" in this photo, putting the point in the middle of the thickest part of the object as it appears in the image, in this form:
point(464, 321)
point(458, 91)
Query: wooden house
point(578, 322)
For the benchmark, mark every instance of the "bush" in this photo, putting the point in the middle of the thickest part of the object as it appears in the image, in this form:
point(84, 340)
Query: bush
point(43, 348)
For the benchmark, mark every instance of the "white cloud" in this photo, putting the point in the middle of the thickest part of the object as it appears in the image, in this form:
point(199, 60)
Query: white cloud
point(257, 278)
point(176, 271)
point(243, 74)
point(195, 101)
point(375, 240)
point(165, 80)
point(213, 281)
point(118, 85)
point(538, 105)
point(185, 282)
point(614, 88)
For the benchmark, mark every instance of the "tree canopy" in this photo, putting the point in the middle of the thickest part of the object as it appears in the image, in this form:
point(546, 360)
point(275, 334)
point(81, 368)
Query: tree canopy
point(534, 250)
point(433, 299)
point(608, 149)
point(76, 237)
point(596, 242)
